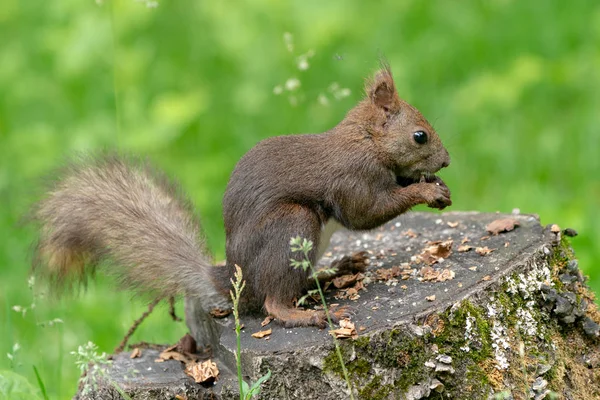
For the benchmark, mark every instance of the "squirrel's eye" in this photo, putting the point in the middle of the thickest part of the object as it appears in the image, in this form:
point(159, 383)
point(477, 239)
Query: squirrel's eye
point(420, 137)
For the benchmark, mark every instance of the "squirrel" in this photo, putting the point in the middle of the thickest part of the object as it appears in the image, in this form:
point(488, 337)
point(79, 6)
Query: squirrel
point(376, 164)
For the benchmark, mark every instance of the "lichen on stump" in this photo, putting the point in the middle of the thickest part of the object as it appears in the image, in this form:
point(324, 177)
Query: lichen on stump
point(516, 322)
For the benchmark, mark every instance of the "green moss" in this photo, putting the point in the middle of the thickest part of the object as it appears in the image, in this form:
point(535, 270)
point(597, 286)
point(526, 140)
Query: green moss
point(375, 390)
point(359, 367)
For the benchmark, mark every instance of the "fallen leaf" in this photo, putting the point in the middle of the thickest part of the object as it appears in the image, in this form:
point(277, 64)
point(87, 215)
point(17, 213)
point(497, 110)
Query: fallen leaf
point(345, 280)
point(473, 268)
point(486, 278)
point(361, 328)
point(403, 287)
point(482, 251)
point(502, 225)
point(430, 298)
point(203, 372)
point(434, 252)
point(555, 228)
point(136, 353)
point(464, 247)
point(266, 321)
point(452, 224)
point(262, 334)
point(465, 240)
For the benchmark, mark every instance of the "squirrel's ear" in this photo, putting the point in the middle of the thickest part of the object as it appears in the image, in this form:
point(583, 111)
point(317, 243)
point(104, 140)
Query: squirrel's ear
point(381, 90)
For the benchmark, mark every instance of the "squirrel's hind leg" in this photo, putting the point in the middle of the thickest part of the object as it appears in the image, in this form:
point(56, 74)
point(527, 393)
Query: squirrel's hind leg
point(290, 317)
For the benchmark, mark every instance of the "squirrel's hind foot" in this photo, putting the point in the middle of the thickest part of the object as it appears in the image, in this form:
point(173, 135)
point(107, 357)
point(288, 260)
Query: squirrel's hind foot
point(291, 317)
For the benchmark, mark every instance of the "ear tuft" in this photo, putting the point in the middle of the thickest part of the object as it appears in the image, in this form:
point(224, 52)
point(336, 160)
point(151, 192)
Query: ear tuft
point(381, 90)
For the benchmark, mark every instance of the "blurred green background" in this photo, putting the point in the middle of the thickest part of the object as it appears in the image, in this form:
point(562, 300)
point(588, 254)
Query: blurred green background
point(513, 88)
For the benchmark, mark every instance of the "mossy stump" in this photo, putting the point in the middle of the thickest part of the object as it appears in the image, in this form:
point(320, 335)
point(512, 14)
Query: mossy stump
point(518, 322)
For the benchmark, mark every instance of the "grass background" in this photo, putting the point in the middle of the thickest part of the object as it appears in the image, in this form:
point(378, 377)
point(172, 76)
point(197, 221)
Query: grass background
point(512, 87)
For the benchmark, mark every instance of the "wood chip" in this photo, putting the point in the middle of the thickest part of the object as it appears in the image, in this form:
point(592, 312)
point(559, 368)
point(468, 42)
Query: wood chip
point(502, 225)
point(430, 298)
point(474, 268)
point(262, 334)
point(486, 278)
point(452, 224)
point(464, 248)
point(465, 240)
point(267, 320)
point(555, 228)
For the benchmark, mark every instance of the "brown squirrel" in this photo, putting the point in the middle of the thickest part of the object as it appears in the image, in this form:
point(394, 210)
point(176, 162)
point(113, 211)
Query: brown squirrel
point(377, 163)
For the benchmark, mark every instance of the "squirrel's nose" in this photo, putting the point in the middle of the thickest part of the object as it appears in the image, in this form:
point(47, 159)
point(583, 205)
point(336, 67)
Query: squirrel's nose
point(446, 161)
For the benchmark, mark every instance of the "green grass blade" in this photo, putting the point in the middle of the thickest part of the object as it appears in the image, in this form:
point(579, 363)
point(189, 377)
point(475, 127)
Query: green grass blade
point(40, 383)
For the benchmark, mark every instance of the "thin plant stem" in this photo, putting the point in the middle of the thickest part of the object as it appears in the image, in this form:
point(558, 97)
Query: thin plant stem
point(335, 341)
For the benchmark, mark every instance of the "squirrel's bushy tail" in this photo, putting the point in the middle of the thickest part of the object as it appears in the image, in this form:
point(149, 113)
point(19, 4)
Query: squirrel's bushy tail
point(106, 209)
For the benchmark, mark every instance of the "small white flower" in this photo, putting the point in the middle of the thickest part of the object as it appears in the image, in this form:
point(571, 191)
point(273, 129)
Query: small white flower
point(278, 89)
point(292, 84)
point(288, 39)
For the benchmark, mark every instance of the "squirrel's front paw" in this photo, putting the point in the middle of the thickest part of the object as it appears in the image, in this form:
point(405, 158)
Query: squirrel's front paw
point(437, 194)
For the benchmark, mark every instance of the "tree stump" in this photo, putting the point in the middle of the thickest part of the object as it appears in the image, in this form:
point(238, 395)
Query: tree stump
point(501, 316)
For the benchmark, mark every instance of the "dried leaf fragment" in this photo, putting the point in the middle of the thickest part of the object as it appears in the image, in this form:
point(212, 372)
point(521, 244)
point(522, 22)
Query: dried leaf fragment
point(346, 330)
point(262, 334)
point(430, 298)
point(555, 228)
point(452, 224)
point(502, 225)
point(434, 252)
point(482, 251)
point(173, 355)
point(136, 353)
point(346, 280)
point(446, 275)
point(218, 313)
point(203, 372)
point(464, 248)
point(410, 233)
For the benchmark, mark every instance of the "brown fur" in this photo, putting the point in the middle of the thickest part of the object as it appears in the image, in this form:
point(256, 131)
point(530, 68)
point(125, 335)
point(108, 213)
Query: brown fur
point(284, 187)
